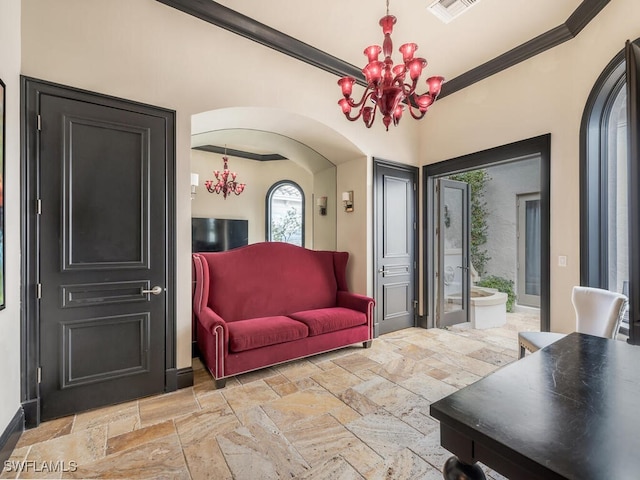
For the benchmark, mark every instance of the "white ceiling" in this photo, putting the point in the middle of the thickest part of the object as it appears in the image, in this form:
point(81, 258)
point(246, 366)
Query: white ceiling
point(343, 28)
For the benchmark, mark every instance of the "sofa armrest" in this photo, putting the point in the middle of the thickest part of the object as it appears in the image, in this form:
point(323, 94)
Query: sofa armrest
point(210, 320)
point(354, 301)
point(200, 274)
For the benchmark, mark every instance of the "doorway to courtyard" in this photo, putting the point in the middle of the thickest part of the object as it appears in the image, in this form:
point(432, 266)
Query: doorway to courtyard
point(487, 237)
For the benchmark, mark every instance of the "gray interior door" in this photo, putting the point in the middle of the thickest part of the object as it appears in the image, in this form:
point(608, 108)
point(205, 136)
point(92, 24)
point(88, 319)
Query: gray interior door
point(453, 252)
point(395, 260)
point(103, 254)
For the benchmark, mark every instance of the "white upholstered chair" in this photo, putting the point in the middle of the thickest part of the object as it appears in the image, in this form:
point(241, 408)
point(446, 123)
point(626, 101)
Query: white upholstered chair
point(598, 312)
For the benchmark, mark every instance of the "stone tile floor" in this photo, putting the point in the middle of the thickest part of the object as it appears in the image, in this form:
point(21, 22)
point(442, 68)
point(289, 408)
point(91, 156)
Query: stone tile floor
point(351, 414)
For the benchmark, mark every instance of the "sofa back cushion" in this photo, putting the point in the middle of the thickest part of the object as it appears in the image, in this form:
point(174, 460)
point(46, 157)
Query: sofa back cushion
point(271, 278)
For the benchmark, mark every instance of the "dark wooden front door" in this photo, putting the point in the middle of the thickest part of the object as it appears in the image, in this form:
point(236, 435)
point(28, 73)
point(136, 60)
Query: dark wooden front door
point(395, 248)
point(103, 232)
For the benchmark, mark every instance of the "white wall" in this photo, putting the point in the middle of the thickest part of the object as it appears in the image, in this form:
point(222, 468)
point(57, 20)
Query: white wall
point(354, 228)
point(546, 94)
point(324, 226)
point(10, 316)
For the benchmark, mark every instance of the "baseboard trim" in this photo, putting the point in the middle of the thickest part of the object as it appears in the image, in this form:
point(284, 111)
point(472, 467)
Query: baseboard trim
point(176, 378)
point(31, 410)
point(10, 436)
point(185, 377)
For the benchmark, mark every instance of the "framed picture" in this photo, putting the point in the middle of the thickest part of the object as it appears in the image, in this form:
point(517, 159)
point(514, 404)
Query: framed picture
point(2, 109)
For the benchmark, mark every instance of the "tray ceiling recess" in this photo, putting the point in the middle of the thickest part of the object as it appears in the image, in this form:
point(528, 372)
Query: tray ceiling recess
point(267, 157)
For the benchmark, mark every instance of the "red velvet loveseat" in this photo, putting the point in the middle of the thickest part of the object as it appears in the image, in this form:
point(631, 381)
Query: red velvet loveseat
point(270, 302)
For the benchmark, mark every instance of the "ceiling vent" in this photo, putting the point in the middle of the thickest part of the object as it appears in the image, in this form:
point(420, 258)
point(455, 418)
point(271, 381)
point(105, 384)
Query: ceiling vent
point(447, 10)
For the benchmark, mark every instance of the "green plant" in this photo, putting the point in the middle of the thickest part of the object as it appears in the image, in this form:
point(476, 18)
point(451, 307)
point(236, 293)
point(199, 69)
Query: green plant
point(477, 180)
point(286, 226)
point(502, 285)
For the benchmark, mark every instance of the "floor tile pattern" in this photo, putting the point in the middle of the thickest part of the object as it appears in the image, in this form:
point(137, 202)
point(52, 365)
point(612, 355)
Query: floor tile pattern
point(351, 414)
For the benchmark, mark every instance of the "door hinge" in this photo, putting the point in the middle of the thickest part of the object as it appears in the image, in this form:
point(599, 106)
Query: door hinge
point(39, 122)
point(415, 304)
point(39, 374)
point(414, 186)
point(38, 207)
point(38, 290)
point(414, 225)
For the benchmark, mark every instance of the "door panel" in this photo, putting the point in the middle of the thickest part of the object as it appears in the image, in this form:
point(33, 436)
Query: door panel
point(395, 248)
point(453, 252)
point(103, 237)
point(105, 162)
point(529, 250)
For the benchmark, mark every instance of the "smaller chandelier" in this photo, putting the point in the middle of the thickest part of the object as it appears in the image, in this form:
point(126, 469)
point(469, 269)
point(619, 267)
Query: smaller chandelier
point(386, 87)
point(225, 181)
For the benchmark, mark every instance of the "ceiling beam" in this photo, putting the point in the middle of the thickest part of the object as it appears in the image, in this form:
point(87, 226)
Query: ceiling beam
point(247, 27)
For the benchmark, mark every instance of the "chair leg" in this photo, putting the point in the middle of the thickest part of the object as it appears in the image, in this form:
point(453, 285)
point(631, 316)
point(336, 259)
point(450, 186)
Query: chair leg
point(367, 344)
point(220, 383)
point(522, 350)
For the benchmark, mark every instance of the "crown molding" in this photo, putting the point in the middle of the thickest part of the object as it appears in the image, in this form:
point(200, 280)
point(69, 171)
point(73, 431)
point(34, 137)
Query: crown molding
point(247, 27)
point(585, 12)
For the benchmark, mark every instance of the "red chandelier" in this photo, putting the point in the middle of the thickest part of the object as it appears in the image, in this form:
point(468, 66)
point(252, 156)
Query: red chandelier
point(225, 181)
point(386, 87)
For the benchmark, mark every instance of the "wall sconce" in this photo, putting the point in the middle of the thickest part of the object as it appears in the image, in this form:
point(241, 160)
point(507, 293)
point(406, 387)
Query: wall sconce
point(195, 181)
point(322, 205)
point(347, 201)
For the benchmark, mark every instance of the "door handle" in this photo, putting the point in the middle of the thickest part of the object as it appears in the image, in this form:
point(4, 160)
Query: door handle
point(157, 290)
point(399, 269)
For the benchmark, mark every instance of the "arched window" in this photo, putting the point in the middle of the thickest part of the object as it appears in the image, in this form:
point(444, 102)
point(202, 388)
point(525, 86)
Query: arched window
point(604, 180)
point(604, 171)
point(285, 213)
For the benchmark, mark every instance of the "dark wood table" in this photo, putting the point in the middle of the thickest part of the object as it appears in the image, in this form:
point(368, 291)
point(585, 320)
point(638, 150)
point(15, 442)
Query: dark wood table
point(568, 411)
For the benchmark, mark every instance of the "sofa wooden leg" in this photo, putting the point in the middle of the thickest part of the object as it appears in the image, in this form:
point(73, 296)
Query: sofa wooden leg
point(220, 383)
point(367, 344)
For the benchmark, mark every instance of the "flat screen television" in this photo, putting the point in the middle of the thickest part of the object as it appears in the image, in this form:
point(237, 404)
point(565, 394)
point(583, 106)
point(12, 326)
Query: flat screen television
point(218, 234)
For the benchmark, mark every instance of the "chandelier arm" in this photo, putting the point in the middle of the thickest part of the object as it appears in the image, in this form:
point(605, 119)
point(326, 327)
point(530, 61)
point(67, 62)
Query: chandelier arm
point(367, 92)
point(410, 89)
point(411, 111)
point(373, 116)
point(398, 81)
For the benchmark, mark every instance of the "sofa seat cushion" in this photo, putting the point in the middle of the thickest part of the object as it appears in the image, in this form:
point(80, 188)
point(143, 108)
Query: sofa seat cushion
point(325, 320)
point(264, 331)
